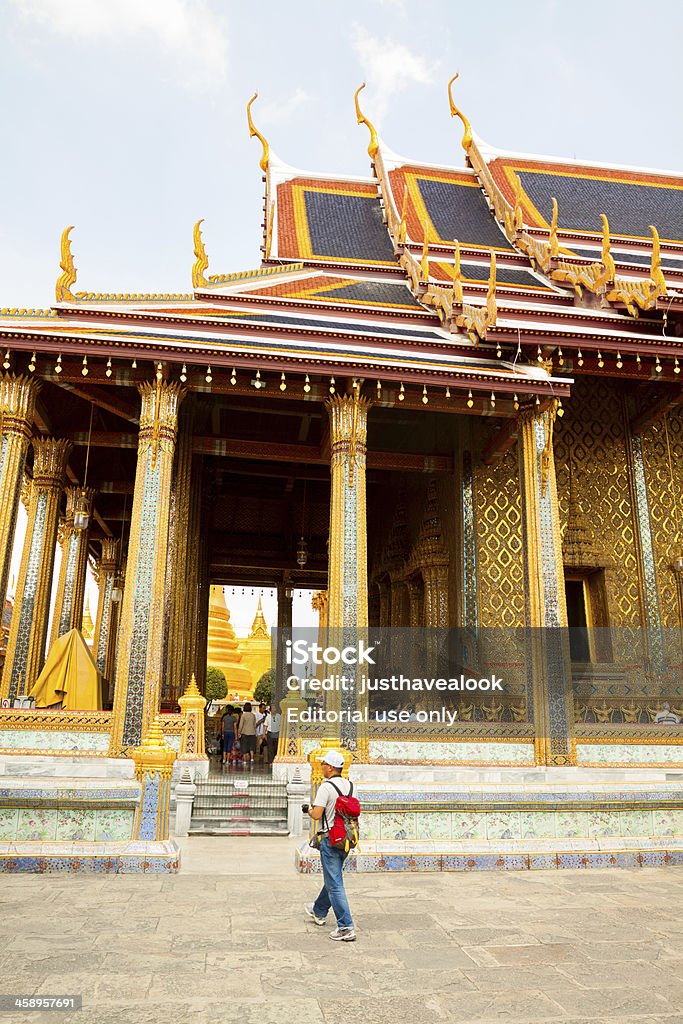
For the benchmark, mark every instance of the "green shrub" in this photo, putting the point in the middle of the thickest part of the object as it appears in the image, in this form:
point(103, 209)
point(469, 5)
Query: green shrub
point(216, 683)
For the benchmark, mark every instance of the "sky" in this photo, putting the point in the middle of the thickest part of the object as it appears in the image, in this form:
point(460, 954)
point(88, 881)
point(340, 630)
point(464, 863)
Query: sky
point(127, 118)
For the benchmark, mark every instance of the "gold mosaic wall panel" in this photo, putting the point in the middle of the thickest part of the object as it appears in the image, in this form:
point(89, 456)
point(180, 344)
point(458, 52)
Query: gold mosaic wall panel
point(498, 528)
point(665, 498)
point(591, 438)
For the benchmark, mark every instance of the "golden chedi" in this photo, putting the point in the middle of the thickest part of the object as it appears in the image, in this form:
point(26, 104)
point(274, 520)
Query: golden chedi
point(256, 648)
point(223, 649)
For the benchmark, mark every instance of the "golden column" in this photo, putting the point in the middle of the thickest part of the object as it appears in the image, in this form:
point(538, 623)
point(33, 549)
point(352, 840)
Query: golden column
point(549, 663)
point(68, 610)
point(140, 662)
point(17, 405)
point(28, 631)
point(348, 558)
point(107, 609)
point(180, 584)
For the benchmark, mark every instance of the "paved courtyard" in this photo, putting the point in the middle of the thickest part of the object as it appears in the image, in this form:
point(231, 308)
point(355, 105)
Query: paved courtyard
point(226, 940)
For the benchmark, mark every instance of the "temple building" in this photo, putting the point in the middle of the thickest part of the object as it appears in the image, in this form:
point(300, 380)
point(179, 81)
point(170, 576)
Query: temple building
point(449, 397)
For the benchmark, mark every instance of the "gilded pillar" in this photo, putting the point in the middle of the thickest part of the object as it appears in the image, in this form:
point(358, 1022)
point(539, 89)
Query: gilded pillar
point(549, 664)
point(415, 603)
point(28, 630)
point(181, 592)
point(140, 663)
point(68, 610)
point(107, 610)
point(348, 561)
point(17, 405)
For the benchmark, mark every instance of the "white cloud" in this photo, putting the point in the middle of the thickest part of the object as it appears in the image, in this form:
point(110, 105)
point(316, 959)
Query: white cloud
point(388, 67)
point(187, 30)
point(277, 111)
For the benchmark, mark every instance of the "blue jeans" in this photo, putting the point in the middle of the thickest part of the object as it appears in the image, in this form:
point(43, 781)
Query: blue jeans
point(332, 893)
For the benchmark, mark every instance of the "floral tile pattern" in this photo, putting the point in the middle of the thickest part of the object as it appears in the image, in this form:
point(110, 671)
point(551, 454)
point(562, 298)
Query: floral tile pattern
point(401, 825)
point(9, 816)
point(370, 826)
point(76, 824)
point(537, 824)
point(636, 823)
point(468, 825)
point(668, 822)
point(572, 824)
point(629, 753)
point(433, 825)
point(468, 753)
point(45, 740)
point(36, 823)
point(503, 826)
point(113, 824)
point(604, 823)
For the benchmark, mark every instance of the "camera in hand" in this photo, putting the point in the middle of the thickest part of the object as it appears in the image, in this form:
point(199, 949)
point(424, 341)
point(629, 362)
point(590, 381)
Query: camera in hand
point(304, 808)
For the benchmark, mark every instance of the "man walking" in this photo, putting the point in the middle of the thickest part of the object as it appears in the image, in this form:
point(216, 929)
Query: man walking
point(332, 859)
point(273, 731)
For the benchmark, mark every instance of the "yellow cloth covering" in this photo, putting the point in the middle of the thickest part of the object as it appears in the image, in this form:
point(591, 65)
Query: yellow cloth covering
point(69, 676)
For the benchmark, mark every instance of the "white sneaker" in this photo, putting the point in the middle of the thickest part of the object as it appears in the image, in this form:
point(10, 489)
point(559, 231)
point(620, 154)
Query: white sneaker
point(308, 909)
point(343, 935)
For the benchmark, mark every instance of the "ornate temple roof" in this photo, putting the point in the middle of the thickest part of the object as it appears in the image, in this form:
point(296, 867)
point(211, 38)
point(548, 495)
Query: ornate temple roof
point(462, 276)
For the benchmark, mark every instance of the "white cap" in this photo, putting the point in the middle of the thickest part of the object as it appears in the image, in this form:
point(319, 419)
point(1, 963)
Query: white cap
point(333, 758)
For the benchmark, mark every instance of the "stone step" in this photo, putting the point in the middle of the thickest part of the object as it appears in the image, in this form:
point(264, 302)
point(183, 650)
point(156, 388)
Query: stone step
point(248, 826)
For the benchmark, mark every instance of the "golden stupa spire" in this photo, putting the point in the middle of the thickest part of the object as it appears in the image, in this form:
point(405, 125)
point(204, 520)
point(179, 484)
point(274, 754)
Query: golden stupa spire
point(373, 145)
point(259, 626)
point(254, 132)
point(88, 628)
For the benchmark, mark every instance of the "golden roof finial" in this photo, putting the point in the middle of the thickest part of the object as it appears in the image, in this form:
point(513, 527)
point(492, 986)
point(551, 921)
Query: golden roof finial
point(253, 131)
point(606, 256)
point(656, 275)
point(362, 119)
point(63, 287)
point(519, 209)
point(491, 308)
point(455, 112)
point(403, 226)
point(201, 263)
point(457, 276)
point(424, 265)
point(554, 242)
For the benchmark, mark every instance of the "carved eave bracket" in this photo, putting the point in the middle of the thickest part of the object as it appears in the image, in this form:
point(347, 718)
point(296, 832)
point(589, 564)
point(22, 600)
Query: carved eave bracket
point(458, 316)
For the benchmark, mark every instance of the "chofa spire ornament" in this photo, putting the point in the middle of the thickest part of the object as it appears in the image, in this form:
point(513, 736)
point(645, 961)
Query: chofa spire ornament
point(201, 263)
point(373, 145)
point(456, 112)
point(63, 287)
point(254, 132)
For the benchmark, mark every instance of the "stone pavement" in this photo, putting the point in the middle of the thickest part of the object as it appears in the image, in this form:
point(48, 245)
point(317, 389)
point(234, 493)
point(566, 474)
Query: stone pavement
point(226, 940)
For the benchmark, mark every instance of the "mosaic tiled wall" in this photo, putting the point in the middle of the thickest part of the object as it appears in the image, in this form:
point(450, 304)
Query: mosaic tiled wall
point(500, 567)
point(629, 753)
point(465, 825)
point(22, 824)
point(663, 493)
point(454, 752)
point(51, 740)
